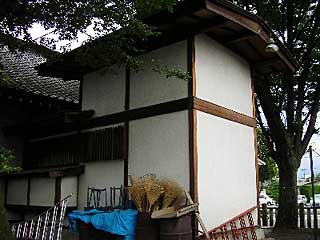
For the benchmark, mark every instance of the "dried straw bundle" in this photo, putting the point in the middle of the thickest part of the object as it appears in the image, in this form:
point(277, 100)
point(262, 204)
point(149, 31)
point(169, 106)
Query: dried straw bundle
point(149, 194)
point(172, 192)
point(153, 191)
point(137, 194)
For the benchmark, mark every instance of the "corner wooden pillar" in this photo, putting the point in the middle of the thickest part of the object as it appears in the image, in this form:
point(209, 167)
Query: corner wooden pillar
point(193, 153)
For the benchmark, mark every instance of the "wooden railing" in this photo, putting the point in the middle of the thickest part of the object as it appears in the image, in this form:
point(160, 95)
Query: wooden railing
point(268, 215)
point(240, 227)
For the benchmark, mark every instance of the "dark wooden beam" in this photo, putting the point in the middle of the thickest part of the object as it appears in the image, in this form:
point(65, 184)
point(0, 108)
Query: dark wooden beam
point(122, 117)
point(57, 194)
point(224, 113)
point(51, 172)
point(126, 129)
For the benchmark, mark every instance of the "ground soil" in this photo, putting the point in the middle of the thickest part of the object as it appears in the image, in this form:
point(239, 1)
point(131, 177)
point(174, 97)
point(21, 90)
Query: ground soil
point(299, 234)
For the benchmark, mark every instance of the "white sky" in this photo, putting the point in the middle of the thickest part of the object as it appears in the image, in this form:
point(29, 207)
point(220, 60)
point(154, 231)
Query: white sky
point(37, 31)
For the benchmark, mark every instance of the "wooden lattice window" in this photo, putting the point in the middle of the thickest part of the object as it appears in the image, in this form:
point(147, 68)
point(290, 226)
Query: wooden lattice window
point(98, 145)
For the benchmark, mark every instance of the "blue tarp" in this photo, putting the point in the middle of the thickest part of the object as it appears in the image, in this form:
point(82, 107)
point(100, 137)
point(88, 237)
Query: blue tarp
point(120, 222)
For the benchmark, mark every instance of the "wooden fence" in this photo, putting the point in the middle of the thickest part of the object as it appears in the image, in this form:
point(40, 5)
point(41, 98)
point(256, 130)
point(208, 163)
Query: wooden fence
point(268, 215)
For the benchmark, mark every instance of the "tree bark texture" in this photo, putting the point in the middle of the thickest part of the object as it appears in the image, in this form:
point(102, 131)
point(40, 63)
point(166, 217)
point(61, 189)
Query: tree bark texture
point(287, 217)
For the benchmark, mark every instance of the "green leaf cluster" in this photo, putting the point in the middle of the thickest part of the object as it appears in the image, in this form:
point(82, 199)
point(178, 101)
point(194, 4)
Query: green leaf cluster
point(307, 190)
point(273, 189)
point(6, 157)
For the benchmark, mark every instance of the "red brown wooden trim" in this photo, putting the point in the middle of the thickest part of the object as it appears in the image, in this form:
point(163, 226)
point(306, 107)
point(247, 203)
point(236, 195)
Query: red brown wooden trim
point(193, 153)
point(255, 139)
point(57, 195)
point(223, 112)
point(191, 66)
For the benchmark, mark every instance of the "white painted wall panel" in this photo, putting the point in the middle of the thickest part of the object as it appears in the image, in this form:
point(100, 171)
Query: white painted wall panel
point(68, 186)
point(104, 91)
point(226, 169)
point(222, 76)
point(104, 174)
point(160, 145)
point(148, 87)
point(17, 191)
point(42, 191)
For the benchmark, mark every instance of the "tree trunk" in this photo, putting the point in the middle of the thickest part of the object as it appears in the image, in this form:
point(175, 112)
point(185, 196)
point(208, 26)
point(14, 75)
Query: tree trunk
point(5, 232)
point(288, 207)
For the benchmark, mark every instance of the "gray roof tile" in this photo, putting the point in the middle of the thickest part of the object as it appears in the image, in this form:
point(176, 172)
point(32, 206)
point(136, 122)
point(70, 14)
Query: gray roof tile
point(19, 66)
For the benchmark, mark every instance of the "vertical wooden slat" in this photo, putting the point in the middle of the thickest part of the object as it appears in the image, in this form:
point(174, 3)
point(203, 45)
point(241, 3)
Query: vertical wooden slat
point(125, 135)
point(271, 217)
point(192, 119)
point(57, 195)
point(309, 217)
point(264, 215)
point(28, 191)
point(193, 155)
point(301, 216)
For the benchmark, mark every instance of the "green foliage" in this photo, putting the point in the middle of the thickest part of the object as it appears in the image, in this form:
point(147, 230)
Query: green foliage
point(269, 171)
point(170, 72)
point(6, 157)
point(307, 190)
point(273, 189)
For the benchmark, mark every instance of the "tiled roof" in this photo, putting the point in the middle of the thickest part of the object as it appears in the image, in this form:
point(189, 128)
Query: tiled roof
point(19, 66)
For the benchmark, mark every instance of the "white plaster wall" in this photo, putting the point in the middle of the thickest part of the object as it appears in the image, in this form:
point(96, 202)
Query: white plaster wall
point(102, 174)
point(160, 145)
point(68, 186)
point(17, 191)
point(104, 91)
point(42, 191)
point(226, 169)
point(148, 87)
point(222, 76)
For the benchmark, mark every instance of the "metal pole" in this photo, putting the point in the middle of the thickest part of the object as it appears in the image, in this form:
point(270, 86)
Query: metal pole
point(315, 215)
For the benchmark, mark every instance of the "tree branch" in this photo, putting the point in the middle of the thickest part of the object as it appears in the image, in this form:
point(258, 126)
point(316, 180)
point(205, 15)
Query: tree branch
point(313, 118)
point(266, 134)
point(277, 130)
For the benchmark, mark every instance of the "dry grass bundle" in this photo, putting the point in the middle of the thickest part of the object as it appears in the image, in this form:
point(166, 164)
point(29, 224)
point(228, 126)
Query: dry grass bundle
point(153, 191)
point(172, 192)
point(149, 194)
point(137, 194)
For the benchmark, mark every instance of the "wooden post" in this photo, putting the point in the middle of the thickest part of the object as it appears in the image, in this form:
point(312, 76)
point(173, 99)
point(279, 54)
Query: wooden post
point(309, 217)
point(301, 216)
point(264, 215)
point(271, 217)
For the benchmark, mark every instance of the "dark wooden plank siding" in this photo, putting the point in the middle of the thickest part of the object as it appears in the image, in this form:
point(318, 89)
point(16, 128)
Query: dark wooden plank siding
point(99, 145)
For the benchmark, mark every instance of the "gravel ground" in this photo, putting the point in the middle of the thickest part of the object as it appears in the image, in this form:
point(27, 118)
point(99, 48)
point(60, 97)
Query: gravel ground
point(299, 234)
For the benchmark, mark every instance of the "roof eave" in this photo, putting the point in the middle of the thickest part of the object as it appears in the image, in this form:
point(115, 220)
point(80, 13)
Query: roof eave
point(255, 24)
